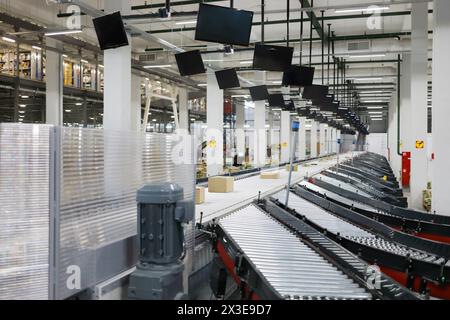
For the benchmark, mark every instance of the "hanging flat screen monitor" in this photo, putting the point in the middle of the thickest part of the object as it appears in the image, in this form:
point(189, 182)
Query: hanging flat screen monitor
point(190, 63)
point(110, 31)
point(227, 79)
point(259, 93)
point(223, 25)
point(298, 76)
point(315, 92)
point(276, 100)
point(272, 58)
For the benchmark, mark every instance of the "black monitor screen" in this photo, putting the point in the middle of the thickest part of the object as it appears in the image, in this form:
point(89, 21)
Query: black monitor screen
point(223, 25)
point(259, 93)
point(272, 58)
point(298, 76)
point(315, 92)
point(190, 63)
point(110, 31)
point(276, 100)
point(227, 79)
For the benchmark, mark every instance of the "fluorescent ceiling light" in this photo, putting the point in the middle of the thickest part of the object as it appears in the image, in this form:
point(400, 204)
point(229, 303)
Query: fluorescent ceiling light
point(202, 85)
point(277, 109)
point(368, 56)
point(84, 61)
point(22, 105)
point(366, 10)
point(246, 62)
point(21, 111)
point(8, 39)
point(57, 33)
point(240, 96)
point(24, 97)
point(374, 101)
point(37, 48)
point(78, 104)
point(374, 107)
point(375, 91)
point(92, 118)
point(64, 55)
point(375, 112)
point(186, 22)
point(193, 119)
point(367, 79)
point(158, 66)
point(67, 110)
point(277, 82)
point(379, 119)
point(213, 60)
point(101, 66)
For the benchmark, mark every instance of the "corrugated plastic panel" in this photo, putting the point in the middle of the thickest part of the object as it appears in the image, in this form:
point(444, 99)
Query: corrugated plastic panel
point(100, 174)
point(24, 211)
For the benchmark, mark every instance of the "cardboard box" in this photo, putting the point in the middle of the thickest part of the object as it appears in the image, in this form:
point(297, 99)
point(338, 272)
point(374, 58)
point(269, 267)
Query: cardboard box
point(221, 184)
point(270, 175)
point(199, 195)
point(294, 167)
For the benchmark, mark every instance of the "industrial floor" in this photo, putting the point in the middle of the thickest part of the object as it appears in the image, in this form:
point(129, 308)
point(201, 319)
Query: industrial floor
point(246, 190)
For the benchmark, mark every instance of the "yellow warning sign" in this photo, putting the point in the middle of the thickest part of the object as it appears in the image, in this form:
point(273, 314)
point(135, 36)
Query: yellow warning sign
point(284, 145)
point(212, 143)
point(420, 144)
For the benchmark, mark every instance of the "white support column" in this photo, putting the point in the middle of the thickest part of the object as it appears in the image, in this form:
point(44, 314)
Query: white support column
point(136, 112)
point(419, 104)
point(54, 84)
point(240, 132)
point(302, 139)
point(117, 82)
point(214, 133)
point(314, 128)
point(328, 139)
point(183, 101)
point(322, 138)
point(260, 145)
point(285, 135)
point(441, 111)
point(405, 110)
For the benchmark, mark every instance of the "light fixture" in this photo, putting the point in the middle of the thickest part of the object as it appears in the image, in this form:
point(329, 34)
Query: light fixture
point(101, 66)
point(78, 104)
point(277, 82)
point(202, 85)
point(240, 96)
point(374, 107)
point(62, 32)
point(65, 55)
point(366, 10)
point(22, 105)
point(186, 22)
point(375, 112)
point(21, 111)
point(8, 39)
point(67, 110)
point(84, 61)
point(154, 120)
point(37, 48)
point(213, 60)
point(368, 56)
point(277, 109)
point(375, 119)
point(24, 97)
point(246, 62)
point(367, 79)
point(193, 119)
point(374, 101)
point(158, 66)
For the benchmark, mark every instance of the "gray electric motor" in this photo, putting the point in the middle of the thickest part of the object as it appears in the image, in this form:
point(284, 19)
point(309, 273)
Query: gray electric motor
point(159, 272)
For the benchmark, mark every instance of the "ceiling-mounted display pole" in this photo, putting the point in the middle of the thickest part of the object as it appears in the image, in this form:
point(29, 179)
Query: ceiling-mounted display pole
point(328, 62)
point(288, 20)
point(301, 32)
point(323, 48)
point(310, 37)
point(334, 67)
point(263, 4)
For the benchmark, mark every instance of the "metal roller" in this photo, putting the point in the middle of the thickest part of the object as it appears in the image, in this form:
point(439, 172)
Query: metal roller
point(290, 266)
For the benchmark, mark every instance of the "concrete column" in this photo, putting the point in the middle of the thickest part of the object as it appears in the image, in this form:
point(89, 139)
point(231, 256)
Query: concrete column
point(302, 139)
point(214, 133)
point(260, 145)
point(405, 110)
point(441, 111)
point(240, 132)
point(117, 79)
point(285, 135)
point(322, 137)
point(314, 128)
point(183, 109)
point(338, 138)
point(328, 139)
point(394, 158)
point(419, 91)
point(136, 114)
point(54, 84)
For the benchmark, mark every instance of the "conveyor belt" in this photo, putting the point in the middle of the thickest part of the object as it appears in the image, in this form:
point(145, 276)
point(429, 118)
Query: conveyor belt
point(336, 225)
point(291, 267)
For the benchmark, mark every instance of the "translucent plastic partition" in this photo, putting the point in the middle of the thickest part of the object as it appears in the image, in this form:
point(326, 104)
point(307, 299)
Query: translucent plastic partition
point(24, 211)
point(100, 174)
point(68, 203)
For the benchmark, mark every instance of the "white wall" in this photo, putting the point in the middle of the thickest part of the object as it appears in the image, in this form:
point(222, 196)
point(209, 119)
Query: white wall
point(377, 143)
